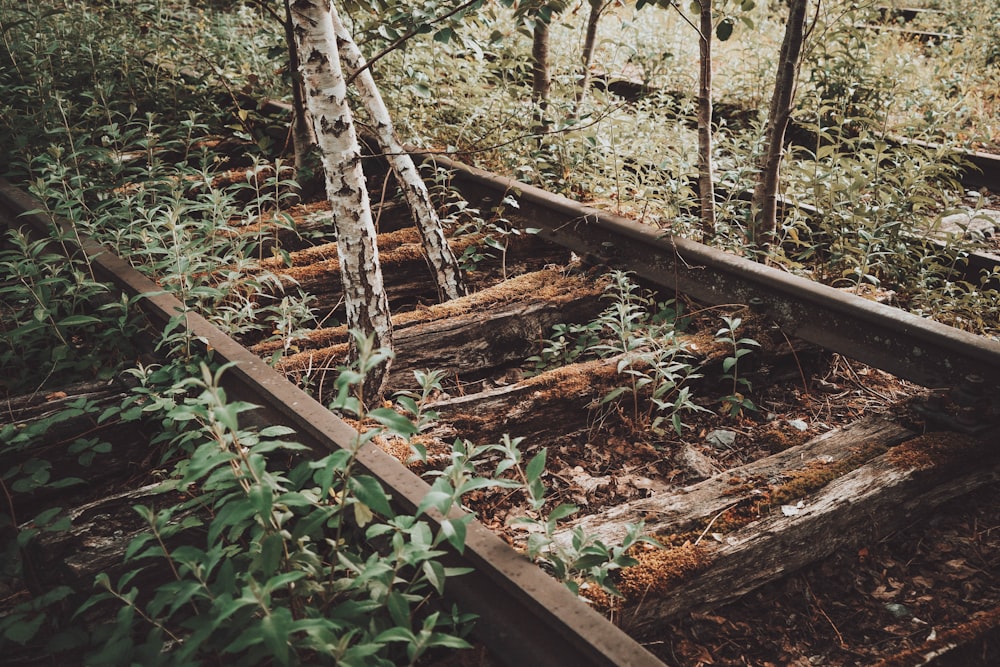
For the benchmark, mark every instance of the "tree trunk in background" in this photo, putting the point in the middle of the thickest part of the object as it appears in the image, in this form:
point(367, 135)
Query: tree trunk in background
point(443, 263)
point(597, 8)
point(764, 205)
point(706, 185)
point(326, 97)
point(303, 136)
point(541, 77)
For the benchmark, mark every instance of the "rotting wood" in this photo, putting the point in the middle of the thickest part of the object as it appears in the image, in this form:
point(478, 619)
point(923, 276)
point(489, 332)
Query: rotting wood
point(956, 645)
point(549, 404)
point(470, 336)
point(55, 441)
point(403, 266)
point(292, 228)
point(96, 540)
point(691, 508)
point(38, 404)
point(854, 509)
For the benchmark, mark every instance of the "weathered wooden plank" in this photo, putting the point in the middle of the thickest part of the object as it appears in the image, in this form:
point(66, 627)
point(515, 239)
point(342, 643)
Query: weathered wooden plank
point(893, 489)
point(737, 494)
point(466, 337)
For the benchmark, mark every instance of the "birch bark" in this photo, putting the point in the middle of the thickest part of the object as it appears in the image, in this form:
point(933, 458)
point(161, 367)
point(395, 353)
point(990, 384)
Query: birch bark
point(326, 98)
point(444, 266)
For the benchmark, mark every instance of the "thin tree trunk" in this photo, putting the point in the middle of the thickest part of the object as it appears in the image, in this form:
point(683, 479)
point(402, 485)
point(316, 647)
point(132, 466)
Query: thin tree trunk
point(326, 96)
point(597, 8)
point(706, 185)
point(303, 136)
point(444, 266)
point(541, 81)
point(765, 195)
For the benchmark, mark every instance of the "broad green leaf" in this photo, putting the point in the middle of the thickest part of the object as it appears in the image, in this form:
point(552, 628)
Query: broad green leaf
point(536, 466)
point(370, 492)
point(725, 29)
point(396, 422)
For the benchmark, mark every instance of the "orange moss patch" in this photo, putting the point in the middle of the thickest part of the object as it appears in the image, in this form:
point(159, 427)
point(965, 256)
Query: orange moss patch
point(659, 569)
point(549, 285)
point(778, 439)
point(931, 450)
point(818, 474)
point(316, 338)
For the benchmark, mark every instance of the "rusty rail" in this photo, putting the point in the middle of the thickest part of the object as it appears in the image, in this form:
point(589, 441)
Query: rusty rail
point(526, 617)
point(908, 346)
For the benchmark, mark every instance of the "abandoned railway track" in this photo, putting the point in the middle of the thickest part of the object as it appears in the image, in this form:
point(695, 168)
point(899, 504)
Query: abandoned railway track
point(730, 523)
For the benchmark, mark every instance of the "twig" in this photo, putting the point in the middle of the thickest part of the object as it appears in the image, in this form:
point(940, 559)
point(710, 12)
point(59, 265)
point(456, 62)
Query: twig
point(712, 523)
point(413, 33)
point(816, 604)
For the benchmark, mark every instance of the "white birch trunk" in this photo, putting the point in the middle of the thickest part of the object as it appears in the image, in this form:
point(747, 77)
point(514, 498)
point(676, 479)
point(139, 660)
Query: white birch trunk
point(326, 98)
point(444, 266)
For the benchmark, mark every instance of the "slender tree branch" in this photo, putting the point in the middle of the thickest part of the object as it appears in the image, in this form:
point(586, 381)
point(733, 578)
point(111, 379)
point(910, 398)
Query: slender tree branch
point(408, 36)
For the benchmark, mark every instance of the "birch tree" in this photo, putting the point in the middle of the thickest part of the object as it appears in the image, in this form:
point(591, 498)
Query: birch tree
point(443, 263)
point(326, 98)
point(765, 195)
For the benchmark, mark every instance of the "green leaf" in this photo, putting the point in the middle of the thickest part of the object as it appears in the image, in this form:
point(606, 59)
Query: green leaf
point(536, 466)
point(276, 431)
point(434, 571)
point(394, 421)
point(395, 635)
point(77, 320)
point(271, 551)
point(562, 511)
point(368, 490)
point(21, 632)
point(274, 629)
point(454, 531)
point(439, 500)
point(725, 29)
point(262, 498)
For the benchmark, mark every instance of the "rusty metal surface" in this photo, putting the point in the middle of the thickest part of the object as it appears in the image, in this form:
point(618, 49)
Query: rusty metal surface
point(910, 347)
point(526, 617)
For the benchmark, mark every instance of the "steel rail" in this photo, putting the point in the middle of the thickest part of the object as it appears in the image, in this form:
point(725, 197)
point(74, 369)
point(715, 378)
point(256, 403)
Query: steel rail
point(525, 616)
point(913, 348)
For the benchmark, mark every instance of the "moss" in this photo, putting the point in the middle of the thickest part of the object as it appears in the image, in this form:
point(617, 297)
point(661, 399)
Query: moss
point(818, 474)
point(931, 450)
point(777, 439)
point(659, 569)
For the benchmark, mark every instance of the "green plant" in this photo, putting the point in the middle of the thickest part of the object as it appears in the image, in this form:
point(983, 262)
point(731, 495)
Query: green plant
point(736, 402)
point(583, 560)
point(306, 565)
point(495, 233)
point(58, 320)
point(642, 334)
